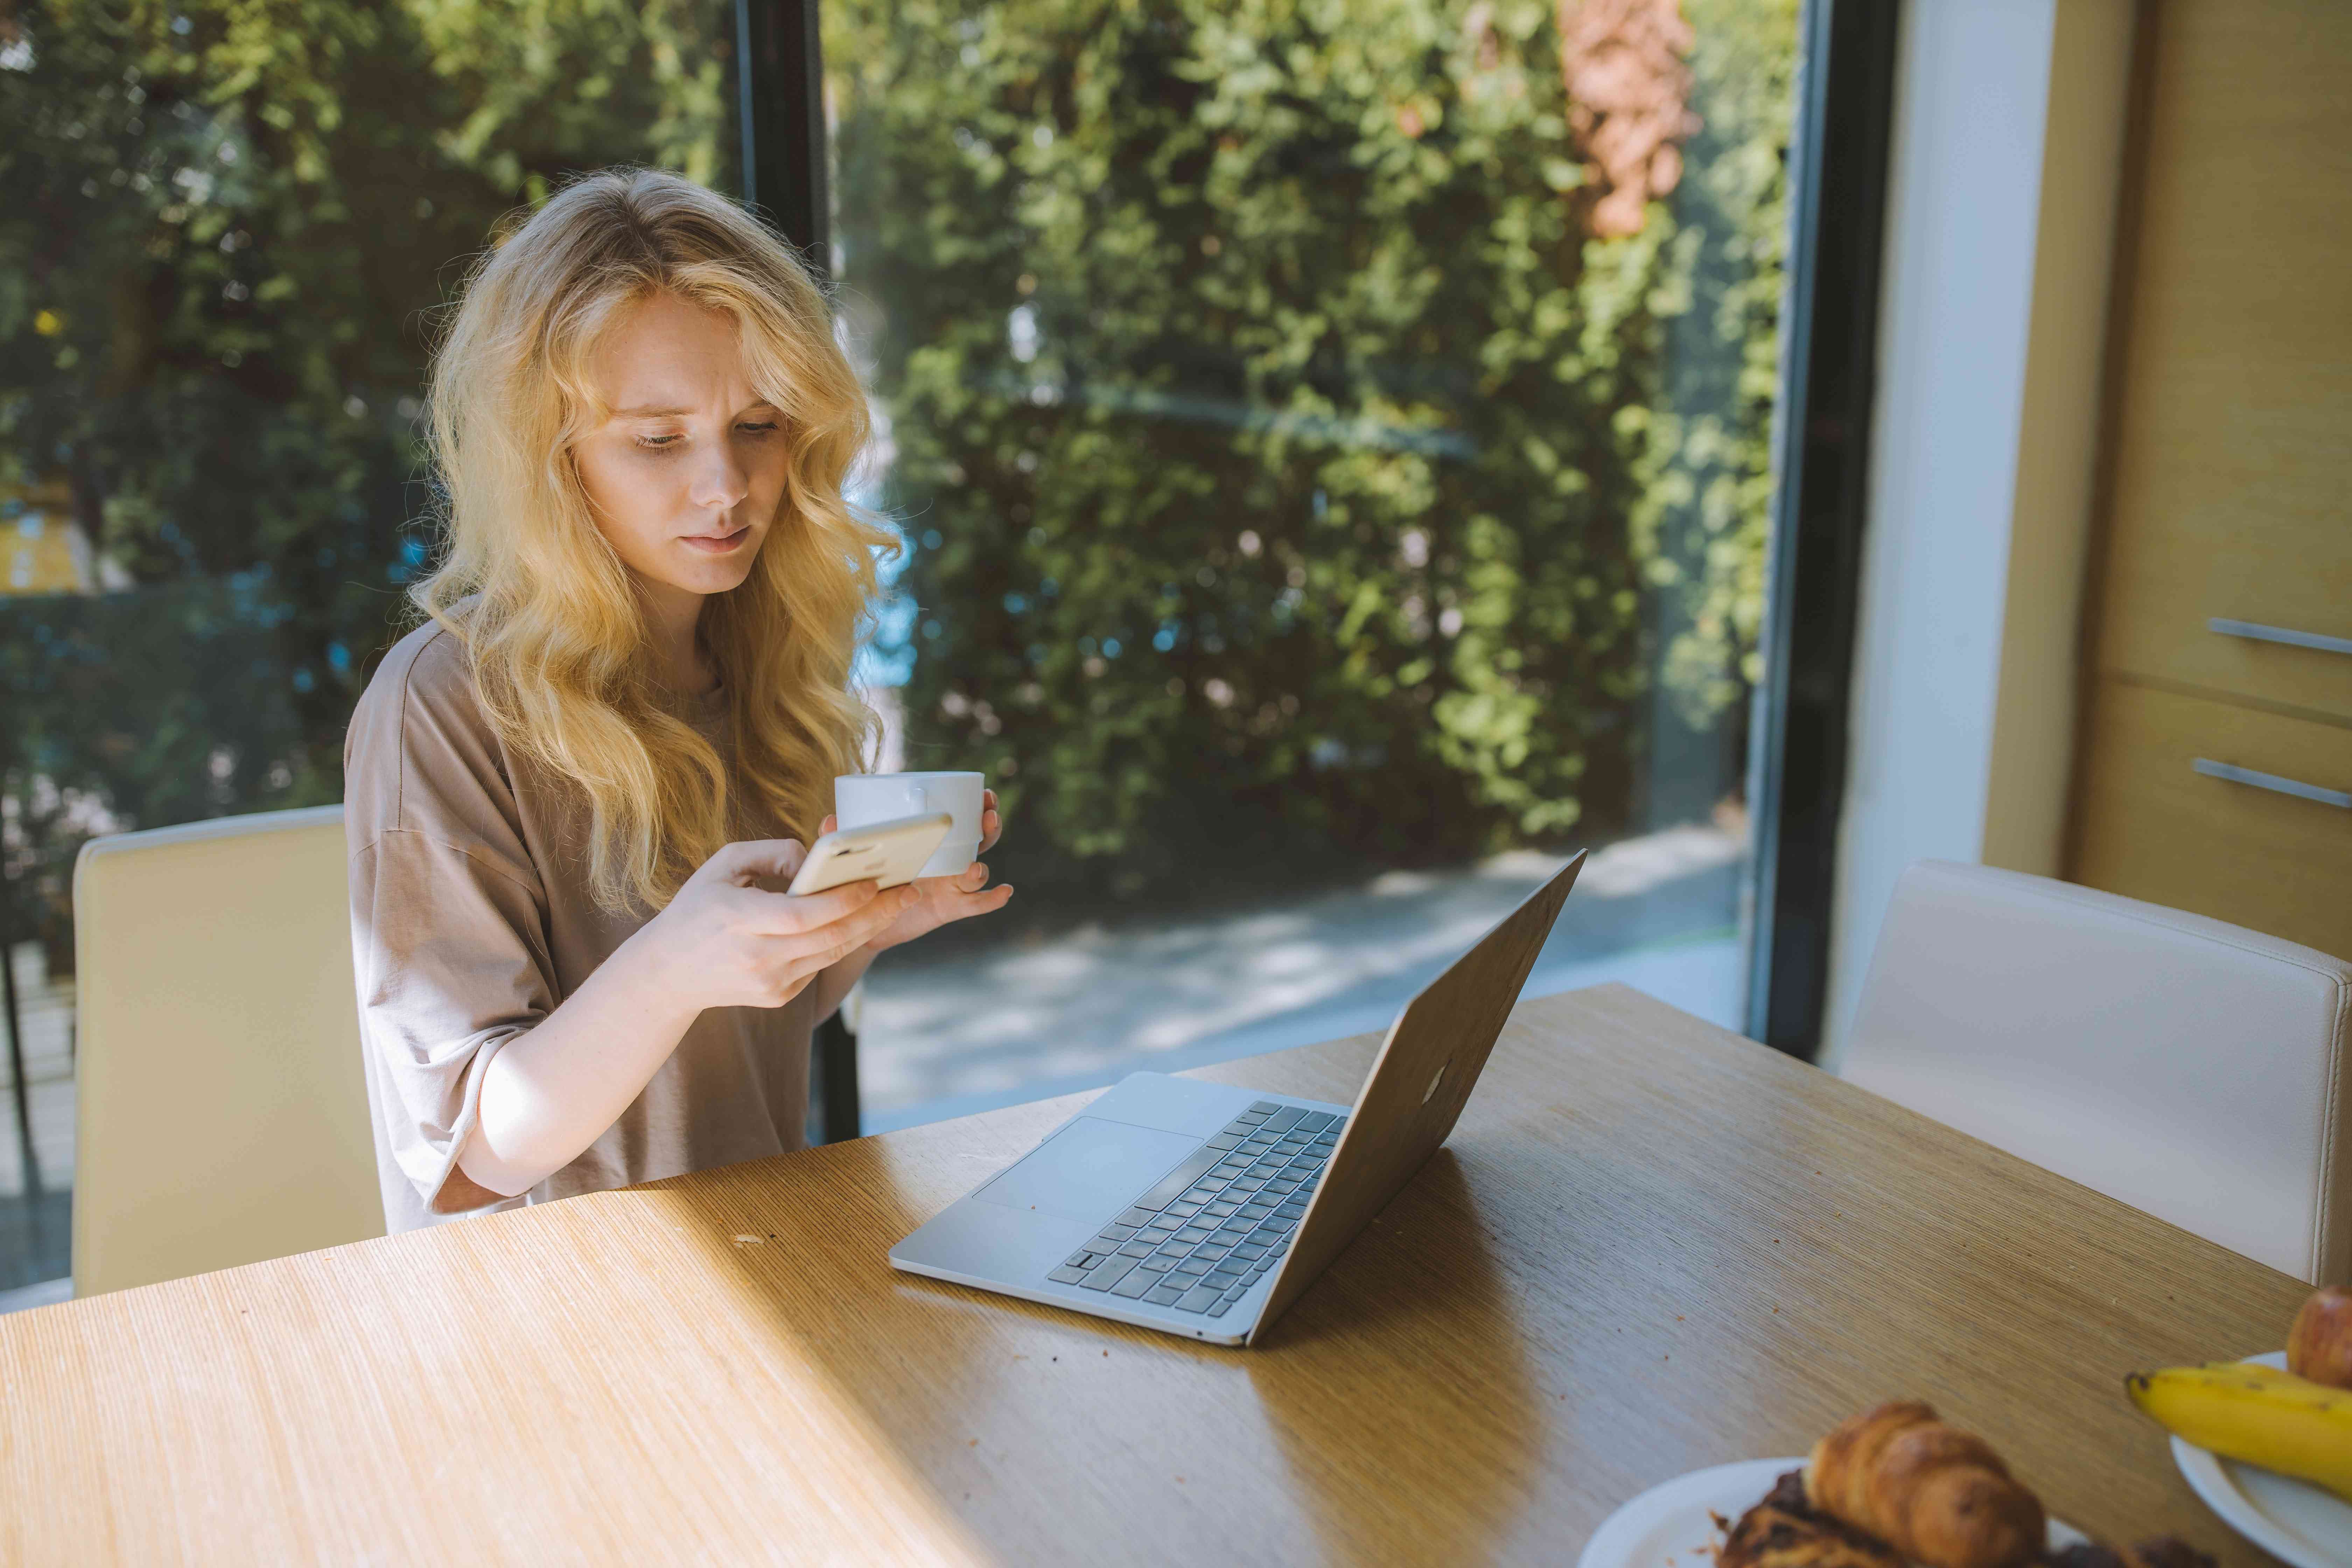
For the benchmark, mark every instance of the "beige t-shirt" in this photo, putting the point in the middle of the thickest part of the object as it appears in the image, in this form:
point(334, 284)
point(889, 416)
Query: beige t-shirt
point(471, 921)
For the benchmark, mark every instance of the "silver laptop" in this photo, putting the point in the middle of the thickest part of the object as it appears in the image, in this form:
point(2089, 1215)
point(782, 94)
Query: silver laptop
point(1205, 1210)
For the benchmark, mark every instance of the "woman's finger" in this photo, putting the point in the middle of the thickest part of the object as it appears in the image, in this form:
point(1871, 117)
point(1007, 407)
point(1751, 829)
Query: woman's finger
point(961, 903)
point(970, 904)
point(830, 824)
point(782, 914)
point(821, 947)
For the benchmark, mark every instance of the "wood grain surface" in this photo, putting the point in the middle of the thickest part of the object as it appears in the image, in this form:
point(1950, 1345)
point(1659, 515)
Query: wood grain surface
point(1649, 1245)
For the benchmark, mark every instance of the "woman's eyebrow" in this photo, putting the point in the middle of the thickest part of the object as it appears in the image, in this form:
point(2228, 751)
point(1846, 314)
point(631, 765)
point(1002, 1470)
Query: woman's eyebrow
point(653, 412)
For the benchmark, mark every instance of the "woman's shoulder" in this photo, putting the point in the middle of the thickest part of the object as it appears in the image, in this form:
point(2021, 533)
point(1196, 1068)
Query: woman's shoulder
point(426, 675)
point(420, 734)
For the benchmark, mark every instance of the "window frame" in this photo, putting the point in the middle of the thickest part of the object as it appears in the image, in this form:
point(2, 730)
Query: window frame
point(1839, 154)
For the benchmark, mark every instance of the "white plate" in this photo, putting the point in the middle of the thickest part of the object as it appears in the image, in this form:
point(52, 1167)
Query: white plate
point(2293, 1521)
point(1672, 1525)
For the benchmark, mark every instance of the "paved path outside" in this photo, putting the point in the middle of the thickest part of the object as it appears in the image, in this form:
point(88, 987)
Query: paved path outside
point(971, 1031)
point(45, 1007)
point(35, 1227)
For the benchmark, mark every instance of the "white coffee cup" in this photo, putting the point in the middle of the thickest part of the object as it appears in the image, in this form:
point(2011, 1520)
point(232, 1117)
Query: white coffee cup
point(861, 798)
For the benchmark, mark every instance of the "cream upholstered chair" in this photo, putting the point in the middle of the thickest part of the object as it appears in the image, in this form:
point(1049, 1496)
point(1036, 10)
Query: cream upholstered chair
point(222, 1115)
point(2193, 1069)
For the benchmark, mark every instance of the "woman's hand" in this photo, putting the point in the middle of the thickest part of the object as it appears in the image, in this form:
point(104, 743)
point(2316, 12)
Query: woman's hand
point(941, 899)
point(725, 942)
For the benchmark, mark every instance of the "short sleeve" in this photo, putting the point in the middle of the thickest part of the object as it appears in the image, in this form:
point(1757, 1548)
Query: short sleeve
point(449, 920)
point(451, 964)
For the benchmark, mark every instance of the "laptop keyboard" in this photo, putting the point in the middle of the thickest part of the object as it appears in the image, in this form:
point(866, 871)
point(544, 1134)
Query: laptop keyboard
point(1218, 1222)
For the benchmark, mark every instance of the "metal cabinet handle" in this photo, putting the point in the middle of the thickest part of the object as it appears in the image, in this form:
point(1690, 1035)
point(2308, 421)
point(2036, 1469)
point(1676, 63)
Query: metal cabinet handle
point(2293, 638)
point(2296, 788)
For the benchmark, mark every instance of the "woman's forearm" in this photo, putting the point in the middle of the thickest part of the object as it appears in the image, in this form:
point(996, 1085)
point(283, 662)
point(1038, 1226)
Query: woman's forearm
point(551, 1091)
point(833, 986)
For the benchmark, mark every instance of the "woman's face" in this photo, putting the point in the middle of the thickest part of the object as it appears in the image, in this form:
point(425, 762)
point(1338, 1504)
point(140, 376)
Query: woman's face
point(685, 475)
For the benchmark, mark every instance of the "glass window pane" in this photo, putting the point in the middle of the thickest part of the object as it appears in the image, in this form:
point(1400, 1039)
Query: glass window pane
point(1331, 444)
point(219, 269)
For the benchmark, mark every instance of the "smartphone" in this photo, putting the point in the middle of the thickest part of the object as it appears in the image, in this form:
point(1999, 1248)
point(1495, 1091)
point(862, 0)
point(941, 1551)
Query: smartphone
point(891, 852)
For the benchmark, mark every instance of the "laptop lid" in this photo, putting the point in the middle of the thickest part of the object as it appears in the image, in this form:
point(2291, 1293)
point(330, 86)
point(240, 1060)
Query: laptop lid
point(1432, 1058)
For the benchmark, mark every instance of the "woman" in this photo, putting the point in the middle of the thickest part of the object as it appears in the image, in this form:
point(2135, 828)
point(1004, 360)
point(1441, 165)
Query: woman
point(574, 792)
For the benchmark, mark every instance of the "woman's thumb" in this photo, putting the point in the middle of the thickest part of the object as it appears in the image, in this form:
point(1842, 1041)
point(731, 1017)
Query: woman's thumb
point(754, 860)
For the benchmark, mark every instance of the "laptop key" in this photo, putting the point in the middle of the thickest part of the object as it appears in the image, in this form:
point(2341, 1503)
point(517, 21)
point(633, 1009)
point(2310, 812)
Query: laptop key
point(1195, 1165)
point(1283, 1120)
point(1135, 1249)
point(1316, 1120)
point(1067, 1275)
point(1220, 1309)
point(1107, 1273)
point(1082, 1259)
point(1163, 1295)
point(1199, 1300)
point(1135, 1284)
point(1223, 1140)
point(1262, 1108)
point(1117, 1232)
point(1155, 1264)
point(1137, 1217)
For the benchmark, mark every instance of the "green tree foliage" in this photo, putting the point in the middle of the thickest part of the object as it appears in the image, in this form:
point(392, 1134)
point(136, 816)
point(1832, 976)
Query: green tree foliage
point(226, 226)
point(1302, 475)
point(1286, 465)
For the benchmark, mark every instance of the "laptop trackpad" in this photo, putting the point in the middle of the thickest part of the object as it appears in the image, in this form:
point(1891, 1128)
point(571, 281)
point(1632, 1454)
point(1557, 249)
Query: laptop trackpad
point(1088, 1168)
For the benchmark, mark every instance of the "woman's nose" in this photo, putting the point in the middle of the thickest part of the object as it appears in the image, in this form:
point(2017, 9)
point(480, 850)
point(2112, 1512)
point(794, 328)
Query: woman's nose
point(720, 482)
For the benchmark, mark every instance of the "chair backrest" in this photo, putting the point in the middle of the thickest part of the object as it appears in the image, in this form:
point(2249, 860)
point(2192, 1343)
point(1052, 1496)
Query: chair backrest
point(222, 1115)
point(2193, 1069)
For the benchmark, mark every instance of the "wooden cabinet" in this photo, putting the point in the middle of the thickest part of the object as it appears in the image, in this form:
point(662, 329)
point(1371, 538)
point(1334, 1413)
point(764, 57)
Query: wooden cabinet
point(2152, 826)
point(2229, 481)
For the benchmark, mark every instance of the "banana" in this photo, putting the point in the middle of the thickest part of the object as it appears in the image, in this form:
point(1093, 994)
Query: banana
point(2257, 1414)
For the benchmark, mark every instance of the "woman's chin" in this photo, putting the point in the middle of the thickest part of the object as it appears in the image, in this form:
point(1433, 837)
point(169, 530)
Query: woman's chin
point(704, 571)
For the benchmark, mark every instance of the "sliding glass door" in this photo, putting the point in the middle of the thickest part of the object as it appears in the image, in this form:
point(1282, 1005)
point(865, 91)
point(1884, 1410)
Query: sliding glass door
point(1332, 448)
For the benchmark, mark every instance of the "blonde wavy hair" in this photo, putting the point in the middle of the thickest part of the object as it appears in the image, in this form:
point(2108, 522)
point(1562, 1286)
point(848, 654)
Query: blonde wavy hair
point(561, 649)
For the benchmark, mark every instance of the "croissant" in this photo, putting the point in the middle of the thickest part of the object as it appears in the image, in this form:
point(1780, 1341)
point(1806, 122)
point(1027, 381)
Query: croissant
point(1937, 1495)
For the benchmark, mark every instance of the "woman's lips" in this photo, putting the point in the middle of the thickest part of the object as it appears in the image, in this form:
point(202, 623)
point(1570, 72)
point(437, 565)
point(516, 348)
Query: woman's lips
point(719, 544)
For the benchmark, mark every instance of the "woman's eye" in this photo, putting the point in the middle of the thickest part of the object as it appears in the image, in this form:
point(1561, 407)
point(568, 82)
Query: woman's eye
point(659, 443)
point(761, 427)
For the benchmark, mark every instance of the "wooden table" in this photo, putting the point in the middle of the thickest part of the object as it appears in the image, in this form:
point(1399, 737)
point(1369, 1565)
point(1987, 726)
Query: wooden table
point(1650, 1245)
